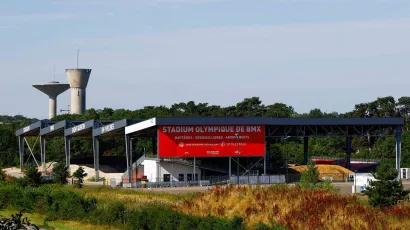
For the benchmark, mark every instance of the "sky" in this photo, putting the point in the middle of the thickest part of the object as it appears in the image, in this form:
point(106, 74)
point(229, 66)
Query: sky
point(327, 54)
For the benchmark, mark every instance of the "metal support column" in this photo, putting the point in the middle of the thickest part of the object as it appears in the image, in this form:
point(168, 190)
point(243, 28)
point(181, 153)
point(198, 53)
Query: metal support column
point(21, 151)
point(267, 156)
point(154, 146)
point(67, 143)
point(43, 153)
point(96, 149)
point(305, 150)
point(131, 149)
point(193, 176)
point(230, 167)
point(128, 157)
point(398, 149)
point(349, 150)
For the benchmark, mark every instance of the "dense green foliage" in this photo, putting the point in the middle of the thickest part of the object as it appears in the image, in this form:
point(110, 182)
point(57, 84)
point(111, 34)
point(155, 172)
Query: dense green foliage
point(58, 203)
point(79, 174)
point(32, 176)
point(309, 177)
point(2, 174)
point(363, 147)
point(385, 191)
point(60, 173)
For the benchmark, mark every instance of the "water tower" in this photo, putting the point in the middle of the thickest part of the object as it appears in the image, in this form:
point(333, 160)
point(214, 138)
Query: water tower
point(52, 89)
point(78, 79)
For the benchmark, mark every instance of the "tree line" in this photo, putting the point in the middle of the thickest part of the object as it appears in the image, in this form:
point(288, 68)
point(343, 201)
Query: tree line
point(382, 148)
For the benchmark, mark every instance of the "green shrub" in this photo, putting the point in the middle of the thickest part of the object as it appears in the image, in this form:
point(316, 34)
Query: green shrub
point(328, 185)
point(60, 173)
point(261, 226)
point(385, 191)
point(79, 174)
point(2, 174)
point(32, 176)
point(92, 179)
point(309, 177)
point(59, 203)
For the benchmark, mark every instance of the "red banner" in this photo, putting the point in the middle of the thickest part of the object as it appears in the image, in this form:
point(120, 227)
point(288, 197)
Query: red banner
point(211, 141)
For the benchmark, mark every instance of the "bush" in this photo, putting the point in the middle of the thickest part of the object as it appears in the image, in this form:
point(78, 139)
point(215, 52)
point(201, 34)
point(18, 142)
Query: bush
point(309, 177)
point(79, 174)
point(328, 185)
point(385, 191)
point(92, 179)
point(33, 177)
point(2, 174)
point(60, 173)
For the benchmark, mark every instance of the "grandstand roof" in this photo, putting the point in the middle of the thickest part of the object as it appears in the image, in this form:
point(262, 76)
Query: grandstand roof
point(114, 129)
point(269, 121)
point(58, 128)
point(85, 129)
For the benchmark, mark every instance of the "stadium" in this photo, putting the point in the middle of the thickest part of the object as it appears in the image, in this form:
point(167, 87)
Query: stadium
point(192, 150)
point(201, 150)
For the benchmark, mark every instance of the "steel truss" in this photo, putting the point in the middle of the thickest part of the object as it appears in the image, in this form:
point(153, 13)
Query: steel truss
point(275, 131)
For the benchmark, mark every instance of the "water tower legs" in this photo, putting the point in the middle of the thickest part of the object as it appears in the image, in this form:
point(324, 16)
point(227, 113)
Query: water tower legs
point(52, 101)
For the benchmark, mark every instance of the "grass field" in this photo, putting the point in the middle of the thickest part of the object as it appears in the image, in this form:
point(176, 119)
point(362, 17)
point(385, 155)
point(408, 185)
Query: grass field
point(131, 198)
point(280, 204)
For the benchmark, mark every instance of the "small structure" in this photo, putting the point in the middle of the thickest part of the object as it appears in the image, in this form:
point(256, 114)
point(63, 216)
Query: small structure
point(361, 181)
point(405, 173)
point(173, 171)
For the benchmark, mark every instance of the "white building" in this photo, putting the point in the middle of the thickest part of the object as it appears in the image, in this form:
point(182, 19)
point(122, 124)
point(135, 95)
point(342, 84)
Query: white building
point(405, 173)
point(166, 171)
point(361, 181)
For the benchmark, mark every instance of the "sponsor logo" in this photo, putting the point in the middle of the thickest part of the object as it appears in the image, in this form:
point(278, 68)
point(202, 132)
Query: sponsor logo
point(26, 129)
point(107, 128)
point(78, 128)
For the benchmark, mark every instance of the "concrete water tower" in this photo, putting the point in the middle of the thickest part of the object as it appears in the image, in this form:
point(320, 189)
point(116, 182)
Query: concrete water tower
point(78, 79)
point(52, 89)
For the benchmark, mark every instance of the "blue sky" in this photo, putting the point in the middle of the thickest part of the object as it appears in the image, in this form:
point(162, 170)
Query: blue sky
point(327, 54)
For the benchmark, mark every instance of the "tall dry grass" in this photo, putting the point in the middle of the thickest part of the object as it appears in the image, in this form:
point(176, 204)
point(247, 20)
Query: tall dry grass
point(294, 208)
point(131, 198)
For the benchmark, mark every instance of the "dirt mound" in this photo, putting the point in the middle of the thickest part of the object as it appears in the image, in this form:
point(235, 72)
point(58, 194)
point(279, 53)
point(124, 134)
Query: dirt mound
point(337, 172)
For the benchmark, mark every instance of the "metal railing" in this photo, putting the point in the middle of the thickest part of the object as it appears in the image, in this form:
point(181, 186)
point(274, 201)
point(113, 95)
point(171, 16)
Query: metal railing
point(341, 158)
point(216, 180)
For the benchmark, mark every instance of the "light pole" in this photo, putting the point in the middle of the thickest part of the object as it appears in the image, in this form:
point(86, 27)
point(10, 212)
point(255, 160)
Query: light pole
point(237, 157)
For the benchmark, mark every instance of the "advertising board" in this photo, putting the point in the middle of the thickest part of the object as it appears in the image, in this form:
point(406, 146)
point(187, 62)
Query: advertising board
point(211, 141)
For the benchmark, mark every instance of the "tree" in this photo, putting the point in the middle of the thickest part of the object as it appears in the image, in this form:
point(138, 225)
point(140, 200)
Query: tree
point(60, 173)
point(310, 176)
point(79, 174)
point(32, 176)
point(385, 190)
point(2, 174)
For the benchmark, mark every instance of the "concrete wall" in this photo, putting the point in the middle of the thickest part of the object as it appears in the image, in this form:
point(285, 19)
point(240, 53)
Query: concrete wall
point(151, 168)
point(176, 169)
